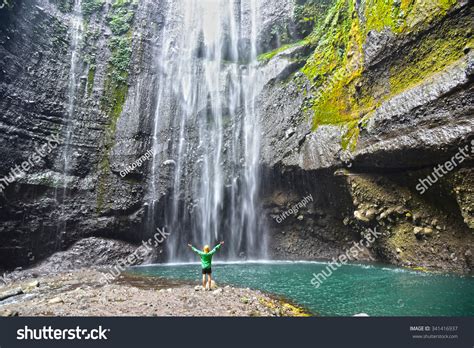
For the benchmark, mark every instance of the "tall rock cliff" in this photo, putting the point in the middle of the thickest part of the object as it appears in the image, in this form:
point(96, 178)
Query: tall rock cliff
point(360, 100)
point(380, 97)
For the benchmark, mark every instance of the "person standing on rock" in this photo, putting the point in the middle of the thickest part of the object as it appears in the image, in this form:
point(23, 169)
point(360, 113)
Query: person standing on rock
point(206, 261)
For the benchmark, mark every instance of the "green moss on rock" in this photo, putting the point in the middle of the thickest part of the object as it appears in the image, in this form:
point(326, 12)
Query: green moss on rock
point(335, 68)
point(341, 94)
point(121, 17)
point(308, 14)
point(89, 7)
point(116, 84)
point(90, 80)
point(64, 6)
point(265, 57)
point(433, 54)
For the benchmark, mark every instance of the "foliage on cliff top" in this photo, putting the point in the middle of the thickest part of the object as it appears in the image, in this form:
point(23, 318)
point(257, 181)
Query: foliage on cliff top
point(340, 93)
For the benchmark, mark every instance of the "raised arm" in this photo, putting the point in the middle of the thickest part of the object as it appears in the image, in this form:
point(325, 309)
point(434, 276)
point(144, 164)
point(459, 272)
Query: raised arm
point(217, 247)
point(197, 251)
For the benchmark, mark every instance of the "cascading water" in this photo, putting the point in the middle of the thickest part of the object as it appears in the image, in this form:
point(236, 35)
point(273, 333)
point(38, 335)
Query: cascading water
point(205, 107)
point(64, 165)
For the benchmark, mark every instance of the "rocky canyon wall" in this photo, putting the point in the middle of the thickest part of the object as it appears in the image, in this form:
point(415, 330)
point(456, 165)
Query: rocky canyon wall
point(380, 96)
point(360, 101)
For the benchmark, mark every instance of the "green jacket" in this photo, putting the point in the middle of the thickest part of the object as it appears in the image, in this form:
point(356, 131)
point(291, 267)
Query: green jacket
point(206, 258)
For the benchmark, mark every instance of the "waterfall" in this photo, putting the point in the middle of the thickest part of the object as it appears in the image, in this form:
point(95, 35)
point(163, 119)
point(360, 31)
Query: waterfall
point(76, 36)
point(205, 131)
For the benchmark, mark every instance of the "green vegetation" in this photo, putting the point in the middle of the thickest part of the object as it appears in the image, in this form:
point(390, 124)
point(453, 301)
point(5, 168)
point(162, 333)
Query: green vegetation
point(334, 68)
point(90, 79)
point(119, 20)
point(121, 17)
point(115, 90)
point(437, 51)
point(89, 7)
point(64, 6)
point(120, 59)
point(341, 91)
point(308, 14)
point(264, 57)
point(89, 45)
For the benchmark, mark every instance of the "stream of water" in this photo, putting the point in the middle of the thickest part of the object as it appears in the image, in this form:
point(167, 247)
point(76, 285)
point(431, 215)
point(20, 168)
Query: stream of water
point(377, 290)
point(207, 89)
point(67, 132)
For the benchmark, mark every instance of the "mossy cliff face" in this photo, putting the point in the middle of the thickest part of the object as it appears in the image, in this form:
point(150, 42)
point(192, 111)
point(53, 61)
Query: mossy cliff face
point(342, 87)
point(358, 58)
point(119, 20)
point(384, 88)
point(383, 91)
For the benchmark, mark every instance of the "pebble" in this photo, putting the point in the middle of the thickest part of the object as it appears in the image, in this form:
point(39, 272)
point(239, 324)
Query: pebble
point(55, 300)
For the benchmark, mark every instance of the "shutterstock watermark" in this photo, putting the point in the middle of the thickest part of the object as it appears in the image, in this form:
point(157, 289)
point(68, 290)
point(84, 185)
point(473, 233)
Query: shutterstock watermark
point(137, 164)
point(143, 250)
point(442, 169)
point(350, 255)
point(5, 3)
point(293, 210)
point(48, 333)
point(20, 170)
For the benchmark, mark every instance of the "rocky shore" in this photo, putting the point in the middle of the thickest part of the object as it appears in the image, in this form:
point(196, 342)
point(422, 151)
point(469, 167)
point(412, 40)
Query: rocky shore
point(81, 293)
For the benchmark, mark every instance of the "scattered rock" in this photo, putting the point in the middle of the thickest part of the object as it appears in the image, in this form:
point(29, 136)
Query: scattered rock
point(427, 231)
point(8, 313)
point(289, 132)
point(418, 231)
point(10, 293)
point(55, 300)
point(370, 214)
point(31, 286)
point(359, 215)
point(213, 284)
point(422, 231)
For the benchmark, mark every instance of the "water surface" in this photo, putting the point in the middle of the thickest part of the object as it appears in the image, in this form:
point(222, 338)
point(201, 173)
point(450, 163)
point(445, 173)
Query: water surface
point(377, 290)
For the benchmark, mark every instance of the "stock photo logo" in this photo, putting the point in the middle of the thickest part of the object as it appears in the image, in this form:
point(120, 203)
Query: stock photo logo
point(20, 170)
point(445, 168)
